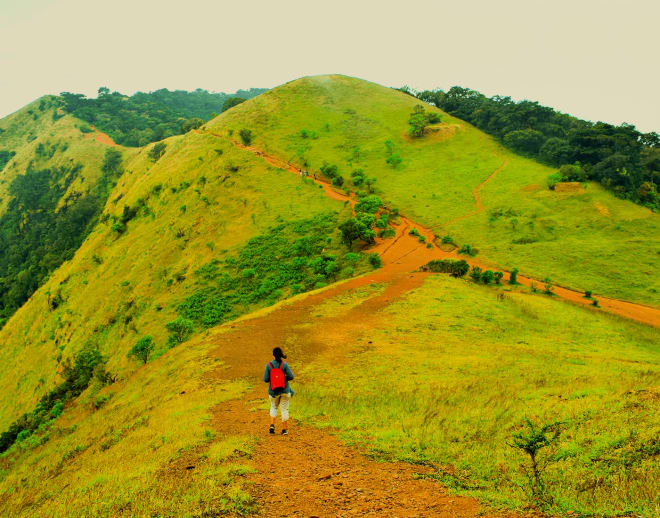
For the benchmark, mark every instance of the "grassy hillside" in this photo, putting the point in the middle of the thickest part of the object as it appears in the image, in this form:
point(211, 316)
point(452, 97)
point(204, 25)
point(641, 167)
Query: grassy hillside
point(586, 238)
point(172, 242)
point(54, 181)
point(449, 374)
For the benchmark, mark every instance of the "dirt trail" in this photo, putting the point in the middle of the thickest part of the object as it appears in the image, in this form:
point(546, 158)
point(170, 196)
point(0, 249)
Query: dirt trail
point(101, 137)
point(310, 472)
point(477, 198)
point(405, 253)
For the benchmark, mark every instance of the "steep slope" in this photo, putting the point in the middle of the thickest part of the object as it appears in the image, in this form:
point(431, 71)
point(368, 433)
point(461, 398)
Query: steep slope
point(584, 238)
point(54, 181)
point(167, 229)
point(201, 231)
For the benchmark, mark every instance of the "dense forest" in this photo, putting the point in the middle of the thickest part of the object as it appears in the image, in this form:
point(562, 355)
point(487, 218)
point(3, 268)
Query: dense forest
point(148, 117)
point(35, 238)
point(621, 158)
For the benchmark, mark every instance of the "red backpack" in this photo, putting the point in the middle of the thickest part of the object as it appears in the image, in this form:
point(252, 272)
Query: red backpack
point(277, 378)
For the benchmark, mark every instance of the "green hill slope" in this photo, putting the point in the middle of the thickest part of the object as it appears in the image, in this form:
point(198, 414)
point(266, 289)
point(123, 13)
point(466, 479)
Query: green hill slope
point(585, 238)
point(197, 232)
point(53, 185)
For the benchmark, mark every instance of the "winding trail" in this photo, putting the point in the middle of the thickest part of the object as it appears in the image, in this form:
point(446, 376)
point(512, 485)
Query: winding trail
point(311, 472)
point(405, 253)
point(477, 198)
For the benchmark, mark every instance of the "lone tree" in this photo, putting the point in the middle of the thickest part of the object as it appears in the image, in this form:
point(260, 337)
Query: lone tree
point(418, 121)
point(246, 136)
point(142, 349)
point(180, 330)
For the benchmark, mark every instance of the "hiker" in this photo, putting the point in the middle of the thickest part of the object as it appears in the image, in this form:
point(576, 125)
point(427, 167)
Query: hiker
point(277, 375)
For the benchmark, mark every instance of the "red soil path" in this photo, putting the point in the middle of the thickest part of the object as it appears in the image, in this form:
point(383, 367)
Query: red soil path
point(397, 253)
point(101, 137)
point(311, 472)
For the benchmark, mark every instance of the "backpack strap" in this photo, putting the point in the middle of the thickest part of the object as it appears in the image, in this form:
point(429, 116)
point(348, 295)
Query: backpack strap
point(271, 366)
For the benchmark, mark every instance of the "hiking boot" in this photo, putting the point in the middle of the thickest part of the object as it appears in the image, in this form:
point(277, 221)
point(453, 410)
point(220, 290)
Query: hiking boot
point(284, 432)
point(271, 429)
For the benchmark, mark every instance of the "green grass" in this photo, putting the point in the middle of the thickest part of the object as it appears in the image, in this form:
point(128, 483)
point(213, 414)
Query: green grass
point(120, 287)
point(571, 241)
point(130, 456)
point(452, 371)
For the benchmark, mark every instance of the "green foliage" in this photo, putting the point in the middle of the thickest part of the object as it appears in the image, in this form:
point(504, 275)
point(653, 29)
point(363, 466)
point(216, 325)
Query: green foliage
point(231, 102)
point(287, 259)
point(147, 117)
point(5, 157)
point(180, 330)
point(587, 294)
point(375, 260)
point(329, 170)
point(532, 441)
point(142, 349)
point(447, 240)
point(498, 277)
point(338, 181)
point(394, 160)
point(455, 268)
point(553, 180)
point(468, 250)
point(157, 151)
point(418, 121)
point(619, 157)
point(77, 377)
point(369, 204)
point(35, 238)
point(476, 273)
point(513, 276)
point(487, 277)
point(246, 136)
point(191, 124)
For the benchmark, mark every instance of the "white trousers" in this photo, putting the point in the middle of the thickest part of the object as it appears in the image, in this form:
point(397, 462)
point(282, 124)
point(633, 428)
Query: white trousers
point(281, 401)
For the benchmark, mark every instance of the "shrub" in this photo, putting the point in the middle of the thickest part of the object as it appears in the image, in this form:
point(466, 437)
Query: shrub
point(375, 260)
point(414, 232)
point(246, 136)
point(57, 409)
point(513, 276)
point(587, 294)
point(191, 124)
point(338, 181)
point(142, 349)
point(594, 302)
point(487, 277)
point(553, 180)
point(329, 170)
point(475, 274)
point(369, 204)
point(352, 257)
point(447, 240)
point(389, 145)
point(387, 233)
point(548, 286)
point(394, 160)
point(532, 442)
point(157, 151)
point(418, 121)
point(452, 267)
point(468, 250)
point(180, 330)
point(498, 277)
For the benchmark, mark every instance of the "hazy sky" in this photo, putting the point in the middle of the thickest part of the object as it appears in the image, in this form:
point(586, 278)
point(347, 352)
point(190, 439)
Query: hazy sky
point(594, 59)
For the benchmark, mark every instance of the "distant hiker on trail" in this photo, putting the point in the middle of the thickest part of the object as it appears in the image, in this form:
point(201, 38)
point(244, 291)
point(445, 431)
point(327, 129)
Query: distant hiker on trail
point(277, 375)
